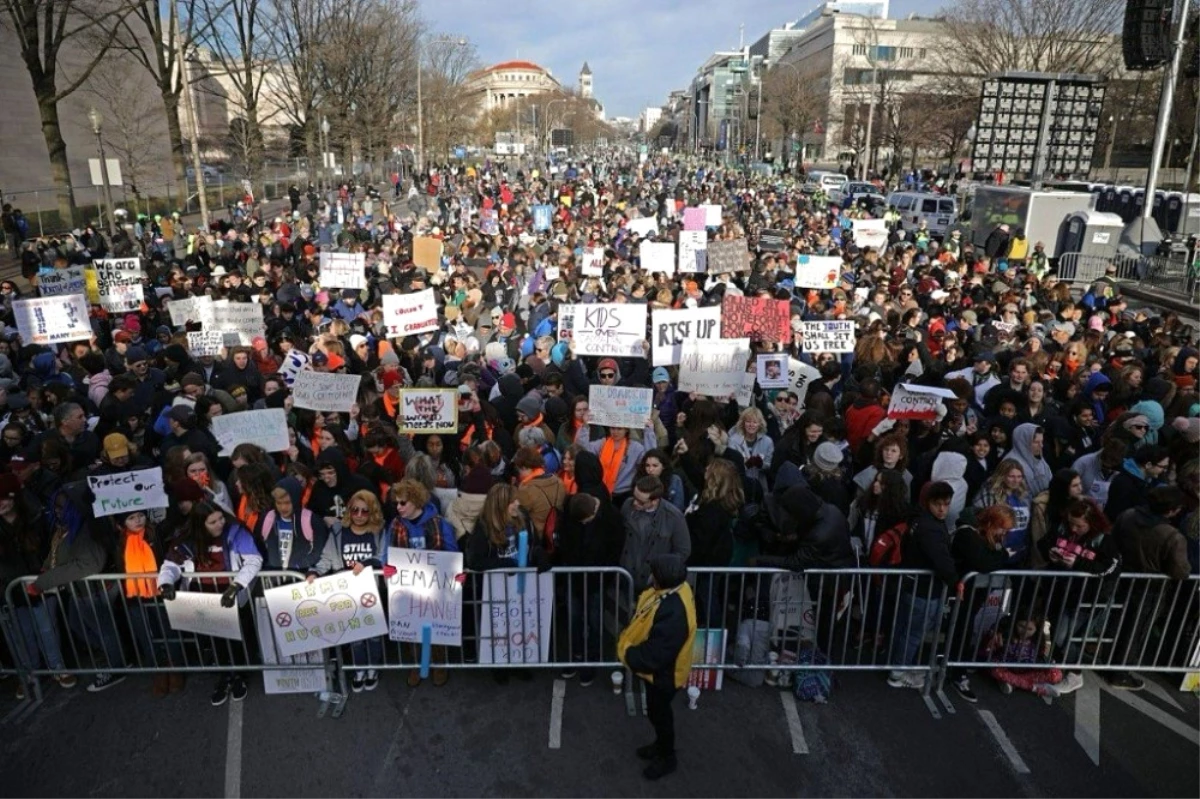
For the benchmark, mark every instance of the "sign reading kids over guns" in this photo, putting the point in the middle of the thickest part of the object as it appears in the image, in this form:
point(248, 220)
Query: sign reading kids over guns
point(611, 329)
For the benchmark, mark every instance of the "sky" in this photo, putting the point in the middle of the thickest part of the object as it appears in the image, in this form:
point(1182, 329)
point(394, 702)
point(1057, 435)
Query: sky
point(639, 50)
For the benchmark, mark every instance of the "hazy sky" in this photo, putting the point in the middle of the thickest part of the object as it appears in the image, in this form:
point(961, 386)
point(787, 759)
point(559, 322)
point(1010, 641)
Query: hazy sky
point(638, 50)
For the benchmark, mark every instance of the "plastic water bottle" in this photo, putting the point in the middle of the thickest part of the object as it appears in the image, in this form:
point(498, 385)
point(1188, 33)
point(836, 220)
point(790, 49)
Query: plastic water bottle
point(772, 678)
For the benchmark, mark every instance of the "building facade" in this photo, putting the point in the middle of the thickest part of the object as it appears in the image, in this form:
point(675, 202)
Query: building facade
point(507, 83)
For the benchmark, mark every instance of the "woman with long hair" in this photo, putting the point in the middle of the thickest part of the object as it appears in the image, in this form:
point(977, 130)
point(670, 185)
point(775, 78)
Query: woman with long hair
point(569, 429)
point(749, 438)
point(1047, 508)
point(656, 464)
point(881, 507)
point(493, 544)
point(710, 518)
point(198, 469)
point(1007, 487)
point(254, 484)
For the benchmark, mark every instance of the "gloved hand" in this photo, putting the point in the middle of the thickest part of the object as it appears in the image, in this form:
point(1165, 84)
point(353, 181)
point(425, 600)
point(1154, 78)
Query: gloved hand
point(32, 590)
point(229, 598)
point(388, 571)
point(885, 426)
point(167, 591)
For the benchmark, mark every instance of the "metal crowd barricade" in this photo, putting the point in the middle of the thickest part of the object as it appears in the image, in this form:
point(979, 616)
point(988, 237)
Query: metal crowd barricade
point(1150, 271)
point(1073, 622)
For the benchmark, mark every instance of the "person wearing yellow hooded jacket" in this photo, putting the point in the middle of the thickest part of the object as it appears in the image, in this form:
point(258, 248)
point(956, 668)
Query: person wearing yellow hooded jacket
point(657, 646)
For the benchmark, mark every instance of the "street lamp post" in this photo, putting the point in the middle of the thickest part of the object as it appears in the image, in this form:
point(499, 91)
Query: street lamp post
point(324, 153)
point(420, 160)
point(550, 121)
point(201, 189)
point(758, 105)
point(97, 121)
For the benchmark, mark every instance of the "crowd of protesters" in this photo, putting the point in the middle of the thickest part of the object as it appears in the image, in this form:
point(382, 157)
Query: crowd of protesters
point(1070, 443)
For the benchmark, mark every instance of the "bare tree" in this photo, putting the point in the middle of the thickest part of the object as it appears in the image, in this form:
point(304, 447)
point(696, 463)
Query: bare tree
point(793, 102)
point(447, 107)
point(44, 28)
point(132, 122)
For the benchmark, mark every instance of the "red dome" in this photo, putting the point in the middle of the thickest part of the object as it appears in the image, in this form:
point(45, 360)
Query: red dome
point(515, 65)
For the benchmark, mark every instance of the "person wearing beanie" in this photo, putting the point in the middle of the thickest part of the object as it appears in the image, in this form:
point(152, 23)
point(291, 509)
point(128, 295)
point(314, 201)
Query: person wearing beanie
point(529, 414)
point(607, 372)
point(657, 646)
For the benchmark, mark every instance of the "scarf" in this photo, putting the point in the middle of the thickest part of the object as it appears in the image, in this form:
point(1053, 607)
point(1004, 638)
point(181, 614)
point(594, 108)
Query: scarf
point(390, 406)
point(139, 559)
point(467, 439)
point(245, 515)
point(533, 475)
point(611, 458)
point(569, 483)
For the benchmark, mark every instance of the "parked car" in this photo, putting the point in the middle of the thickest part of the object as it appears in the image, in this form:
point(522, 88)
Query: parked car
point(209, 172)
point(852, 192)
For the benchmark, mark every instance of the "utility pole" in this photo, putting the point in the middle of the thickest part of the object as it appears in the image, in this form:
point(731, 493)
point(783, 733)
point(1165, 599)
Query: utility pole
point(96, 120)
point(193, 123)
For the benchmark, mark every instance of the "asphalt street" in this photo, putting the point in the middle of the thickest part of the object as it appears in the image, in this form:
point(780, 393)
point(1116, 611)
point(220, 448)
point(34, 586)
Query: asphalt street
point(475, 738)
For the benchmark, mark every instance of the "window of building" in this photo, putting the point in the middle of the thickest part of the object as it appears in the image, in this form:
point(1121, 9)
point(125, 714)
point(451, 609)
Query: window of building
point(885, 53)
point(922, 53)
point(907, 52)
point(860, 49)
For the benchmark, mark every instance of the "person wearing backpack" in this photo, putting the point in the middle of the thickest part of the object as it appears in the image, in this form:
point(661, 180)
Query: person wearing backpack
point(542, 495)
point(293, 537)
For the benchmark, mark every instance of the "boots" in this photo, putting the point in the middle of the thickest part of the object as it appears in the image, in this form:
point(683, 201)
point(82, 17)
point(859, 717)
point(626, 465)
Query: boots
point(162, 685)
point(175, 682)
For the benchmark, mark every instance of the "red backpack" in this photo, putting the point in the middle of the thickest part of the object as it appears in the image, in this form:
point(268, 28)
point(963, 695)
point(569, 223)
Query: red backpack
point(887, 548)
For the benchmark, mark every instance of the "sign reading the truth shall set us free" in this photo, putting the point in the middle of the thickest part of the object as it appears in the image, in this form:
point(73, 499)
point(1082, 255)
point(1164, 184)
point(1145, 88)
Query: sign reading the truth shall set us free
point(425, 590)
point(337, 609)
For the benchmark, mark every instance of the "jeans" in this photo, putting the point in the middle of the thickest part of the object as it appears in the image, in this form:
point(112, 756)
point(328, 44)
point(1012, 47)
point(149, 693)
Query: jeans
point(367, 653)
point(93, 618)
point(157, 644)
point(38, 623)
point(915, 617)
point(660, 714)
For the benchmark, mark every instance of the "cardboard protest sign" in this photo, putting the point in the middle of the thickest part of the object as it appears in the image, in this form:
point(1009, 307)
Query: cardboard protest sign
point(694, 218)
point(489, 222)
point(193, 309)
point(552, 273)
point(614, 329)
point(871, 233)
point(800, 376)
point(566, 322)
point(917, 402)
point(757, 318)
point(119, 283)
point(712, 215)
point(126, 492)
point(670, 328)
point(835, 336)
point(241, 322)
point(592, 262)
point(201, 613)
point(428, 410)
point(693, 251)
point(643, 225)
point(425, 590)
point(59, 282)
point(515, 626)
point(727, 256)
point(427, 253)
point(818, 271)
point(53, 320)
point(772, 240)
point(772, 370)
point(744, 396)
point(618, 406)
point(266, 428)
point(409, 314)
point(657, 256)
point(205, 342)
point(286, 680)
point(541, 216)
point(325, 391)
point(337, 609)
point(714, 368)
point(343, 270)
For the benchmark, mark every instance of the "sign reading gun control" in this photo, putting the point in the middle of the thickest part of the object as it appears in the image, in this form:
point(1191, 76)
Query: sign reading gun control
point(126, 492)
point(917, 402)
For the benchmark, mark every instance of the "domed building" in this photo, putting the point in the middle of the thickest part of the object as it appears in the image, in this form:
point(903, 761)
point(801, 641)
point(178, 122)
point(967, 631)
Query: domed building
point(501, 84)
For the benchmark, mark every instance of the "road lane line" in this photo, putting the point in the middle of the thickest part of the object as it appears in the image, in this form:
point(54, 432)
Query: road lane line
point(233, 752)
point(1014, 757)
point(1162, 694)
point(1087, 717)
point(1157, 714)
point(799, 745)
point(556, 713)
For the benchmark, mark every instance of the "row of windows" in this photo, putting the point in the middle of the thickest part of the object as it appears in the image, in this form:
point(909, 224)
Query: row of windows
point(521, 76)
point(862, 77)
point(890, 53)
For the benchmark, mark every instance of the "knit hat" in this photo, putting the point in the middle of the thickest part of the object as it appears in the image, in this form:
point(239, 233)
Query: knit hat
point(391, 377)
point(607, 363)
point(529, 405)
point(136, 355)
point(828, 457)
point(191, 379)
point(186, 490)
point(1189, 428)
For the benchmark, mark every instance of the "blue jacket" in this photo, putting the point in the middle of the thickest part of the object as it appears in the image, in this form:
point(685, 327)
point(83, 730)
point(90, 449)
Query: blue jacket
point(415, 530)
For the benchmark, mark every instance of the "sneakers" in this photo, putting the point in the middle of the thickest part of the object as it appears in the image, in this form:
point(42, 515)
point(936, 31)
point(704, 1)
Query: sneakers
point(440, 676)
point(372, 680)
point(237, 688)
point(1005, 688)
point(414, 678)
point(1124, 681)
point(1071, 683)
point(161, 686)
point(568, 673)
point(906, 679)
point(103, 681)
point(1046, 691)
point(586, 677)
point(660, 768)
point(220, 693)
point(66, 680)
point(358, 682)
point(963, 686)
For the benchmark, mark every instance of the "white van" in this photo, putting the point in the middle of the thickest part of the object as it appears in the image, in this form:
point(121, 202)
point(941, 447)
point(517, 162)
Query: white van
point(938, 210)
point(827, 180)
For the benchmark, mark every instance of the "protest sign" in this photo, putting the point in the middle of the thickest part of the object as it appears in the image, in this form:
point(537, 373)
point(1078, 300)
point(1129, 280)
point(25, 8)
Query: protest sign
point(205, 342)
point(425, 590)
point(757, 318)
point(618, 406)
point(566, 322)
point(771, 240)
point(714, 368)
point(727, 256)
point(427, 253)
point(489, 222)
point(337, 609)
point(592, 263)
point(266, 428)
point(53, 320)
point(613, 329)
point(343, 270)
point(744, 396)
point(126, 492)
point(829, 336)
point(552, 273)
point(643, 225)
point(917, 402)
point(428, 410)
point(657, 256)
point(871, 233)
point(693, 218)
point(58, 282)
point(119, 283)
point(670, 328)
point(293, 363)
point(291, 680)
point(772, 370)
point(818, 271)
point(693, 251)
point(541, 216)
point(193, 309)
point(325, 391)
point(408, 314)
point(201, 613)
point(712, 215)
point(515, 626)
point(241, 322)
point(800, 376)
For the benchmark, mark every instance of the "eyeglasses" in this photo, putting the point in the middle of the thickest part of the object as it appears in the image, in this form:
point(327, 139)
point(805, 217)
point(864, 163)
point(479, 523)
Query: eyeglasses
point(400, 503)
point(607, 375)
point(359, 511)
point(1139, 427)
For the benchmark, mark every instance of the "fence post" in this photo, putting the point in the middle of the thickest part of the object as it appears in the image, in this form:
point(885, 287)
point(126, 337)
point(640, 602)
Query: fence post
point(37, 200)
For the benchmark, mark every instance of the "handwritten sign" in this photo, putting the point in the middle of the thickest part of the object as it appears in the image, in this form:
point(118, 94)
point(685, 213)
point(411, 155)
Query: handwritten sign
point(643, 225)
point(241, 322)
point(325, 391)
point(337, 609)
point(427, 253)
point(757, 318)
point(657, 256)
point(566, 322)
point(428, 410)
point(286, 680)
point(592, 262)
point(53, 320)
point(917, 402)
point(670, 328)
point(266, 428)
point(714, 368)
point(425, 590)
point(192, 309)
point(119, 283)
point(541, 216)
point(201, 613)
point(772, 240)
point(772, 370)
point(829, 336)
point(515, 626)
point(818, 271)
point(489, 222)
point(712, 215)
point(343, 270)
point(693, 251)
point(58, 282)
point(126, 492)
point(801, 375)
point(409, 314)
point(612, 329)
point(727, 257)
point(871, 233)
point(205, 342)
point(618, 406)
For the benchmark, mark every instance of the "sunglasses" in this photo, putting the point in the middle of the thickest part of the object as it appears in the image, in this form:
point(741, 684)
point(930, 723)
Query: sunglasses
point(400, 503)
point(607, 375)
point(1139, 427)
point(359, 511)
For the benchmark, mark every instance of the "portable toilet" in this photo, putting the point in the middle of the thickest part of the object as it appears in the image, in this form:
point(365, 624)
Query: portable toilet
point(1097, 196)
point(1189, 215)
point(1108, 200)
point(1124, 206)
point(1091, 233)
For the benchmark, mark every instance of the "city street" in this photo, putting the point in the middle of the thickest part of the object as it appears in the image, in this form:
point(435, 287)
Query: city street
point(473, 737)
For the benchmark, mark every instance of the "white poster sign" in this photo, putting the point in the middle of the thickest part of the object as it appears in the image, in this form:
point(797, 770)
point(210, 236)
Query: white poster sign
point(871, 233)
point(126, 492)
point(119, 282)
point(712, 215)
point(657, 256)
point(592, 263)
point(286, 681)
point(53, 320)
point(266, 428)
point(744, 396)
point(325, 391)
point(552, 273)
point(614, 329)
point(917, 402)
point(205, 342)
point(425, 590)
point(193, 309)
point(834, 336)
point(201, 613)
point(428, 410)
point(619, 406)
point(515, 626)
point(643, 225)
point(670, 328)
point(714, 368)
point(409, 314)
point(693, 248)
point(336, 609)
point(772, 370)
point(71, 280)
point(818, 271)
point(343, 270)
point(800, 376)
point(241, 322)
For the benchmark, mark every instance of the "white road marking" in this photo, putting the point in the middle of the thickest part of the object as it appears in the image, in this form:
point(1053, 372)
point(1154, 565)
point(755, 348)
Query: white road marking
point(1087, 717)
point(233, 752)
point(556, 713)
point(799, 745)
point(1006, 745)
point(1155, 689)
point(1161, 716)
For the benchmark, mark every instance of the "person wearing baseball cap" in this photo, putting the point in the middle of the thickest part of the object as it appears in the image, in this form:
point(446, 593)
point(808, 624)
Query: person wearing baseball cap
point(607, 372)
